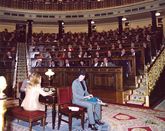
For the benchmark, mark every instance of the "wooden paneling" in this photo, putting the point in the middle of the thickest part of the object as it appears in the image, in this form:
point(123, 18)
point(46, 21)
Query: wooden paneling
point(102, 82)
point(8, 74)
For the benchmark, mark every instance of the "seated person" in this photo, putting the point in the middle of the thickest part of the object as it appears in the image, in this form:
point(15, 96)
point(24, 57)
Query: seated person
point(67, 63)
point(109, 54)
point(51, 63)
point(106, 63)
point(24, 84)
point(82, 63)
point(33, 90)
point(80, 93)
point(96, 62)
point(123, 52)
point(23, 87)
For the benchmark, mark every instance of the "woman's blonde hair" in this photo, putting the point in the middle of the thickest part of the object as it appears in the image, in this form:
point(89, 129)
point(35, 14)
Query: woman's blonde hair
point(35, 79)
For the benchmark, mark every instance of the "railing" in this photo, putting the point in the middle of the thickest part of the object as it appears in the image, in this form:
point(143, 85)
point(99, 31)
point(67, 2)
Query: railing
point(15, 69)
point(155, 70)
point(153, 73)
point(64, 5)
point(28, 60)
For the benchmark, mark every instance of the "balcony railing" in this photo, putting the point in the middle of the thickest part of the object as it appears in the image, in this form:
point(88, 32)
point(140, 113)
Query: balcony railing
point(64, 5)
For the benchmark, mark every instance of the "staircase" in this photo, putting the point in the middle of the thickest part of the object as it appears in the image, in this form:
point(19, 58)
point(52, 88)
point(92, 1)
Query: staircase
point(149, 86)
point(22, 70)
point(137, 96)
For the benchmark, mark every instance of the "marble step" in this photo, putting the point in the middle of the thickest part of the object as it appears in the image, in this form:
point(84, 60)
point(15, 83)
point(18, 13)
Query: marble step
point(140, 92)
point(128, 92)
point(137, 97)
point(21, 65)
point(21, 71)
point(22, 59)
point(135, 102)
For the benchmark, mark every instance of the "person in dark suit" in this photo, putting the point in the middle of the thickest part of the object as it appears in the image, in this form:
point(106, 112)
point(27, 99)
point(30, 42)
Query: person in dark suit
point(82, 63)
point(80, 93)
point(67, 63)
point(96, 62)
point(8, 60)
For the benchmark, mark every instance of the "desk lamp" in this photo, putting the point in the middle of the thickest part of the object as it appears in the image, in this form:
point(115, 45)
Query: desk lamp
point(49, 73)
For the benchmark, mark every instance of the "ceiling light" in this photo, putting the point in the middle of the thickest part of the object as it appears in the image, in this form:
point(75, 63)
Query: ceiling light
point(92, 22)
point(157, 14)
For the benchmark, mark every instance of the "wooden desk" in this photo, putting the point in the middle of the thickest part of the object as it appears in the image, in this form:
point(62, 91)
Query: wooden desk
point(50, 101)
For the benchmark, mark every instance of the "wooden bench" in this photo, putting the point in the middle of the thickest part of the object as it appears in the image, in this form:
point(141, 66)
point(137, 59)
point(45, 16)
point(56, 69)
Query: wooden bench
point(29, 116)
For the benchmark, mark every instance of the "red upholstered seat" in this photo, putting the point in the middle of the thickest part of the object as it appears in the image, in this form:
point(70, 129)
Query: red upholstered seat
point(64, 100)
point(29, 116)
point(65, 95)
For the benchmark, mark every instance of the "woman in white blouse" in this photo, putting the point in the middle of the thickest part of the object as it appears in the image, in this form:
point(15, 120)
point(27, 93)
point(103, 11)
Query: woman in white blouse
point(33, 90)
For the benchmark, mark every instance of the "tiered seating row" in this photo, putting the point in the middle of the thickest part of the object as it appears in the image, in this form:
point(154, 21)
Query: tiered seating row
point(7, 49)
point(127, 50)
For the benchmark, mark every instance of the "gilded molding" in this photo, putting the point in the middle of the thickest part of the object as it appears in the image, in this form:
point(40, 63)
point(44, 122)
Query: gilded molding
point(155, 70)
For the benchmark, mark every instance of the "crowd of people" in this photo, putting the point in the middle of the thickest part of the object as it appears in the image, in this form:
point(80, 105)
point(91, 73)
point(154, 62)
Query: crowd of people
point(8, 46)
point(79, 49)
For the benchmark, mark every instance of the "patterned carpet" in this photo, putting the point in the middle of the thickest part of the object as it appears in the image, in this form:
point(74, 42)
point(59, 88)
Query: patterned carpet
point(161, 106)
point(122, 118)
point(116, 118)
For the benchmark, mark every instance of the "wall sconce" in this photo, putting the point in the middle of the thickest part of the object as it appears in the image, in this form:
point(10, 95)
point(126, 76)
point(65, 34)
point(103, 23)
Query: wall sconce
point(124, 19)
point(3, 86)
point(157, 14)
point(49, 73)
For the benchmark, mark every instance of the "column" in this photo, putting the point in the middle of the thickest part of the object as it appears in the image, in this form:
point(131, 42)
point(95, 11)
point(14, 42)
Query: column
point(89, 5)
point(154, 23)
point(21, 32)
point(29, 34)
point(60, 5)
point(153, 35)
point(89, 27)
point(60, 28)
point(160, 31)
point(120, 24)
